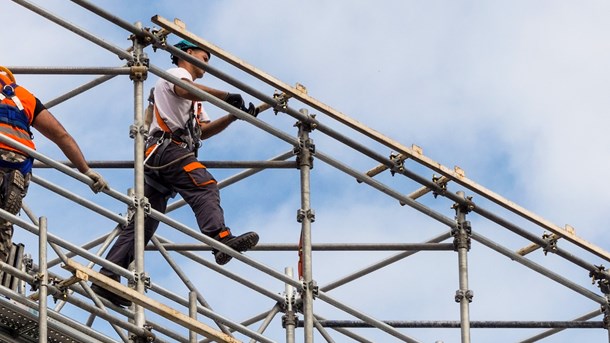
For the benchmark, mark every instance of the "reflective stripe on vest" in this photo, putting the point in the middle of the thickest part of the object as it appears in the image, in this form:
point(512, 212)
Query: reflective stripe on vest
point(15, 123)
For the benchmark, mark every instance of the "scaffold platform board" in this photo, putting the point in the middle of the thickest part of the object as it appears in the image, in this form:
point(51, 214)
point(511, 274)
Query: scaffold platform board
point(19, 323)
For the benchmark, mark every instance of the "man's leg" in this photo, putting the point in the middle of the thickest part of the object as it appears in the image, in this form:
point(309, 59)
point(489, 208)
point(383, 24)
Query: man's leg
point(122, 252)
point(199, 189)
point(13, 188)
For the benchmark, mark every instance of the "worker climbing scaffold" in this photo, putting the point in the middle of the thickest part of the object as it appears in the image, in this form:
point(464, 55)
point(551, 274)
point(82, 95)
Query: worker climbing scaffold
point(179, 124)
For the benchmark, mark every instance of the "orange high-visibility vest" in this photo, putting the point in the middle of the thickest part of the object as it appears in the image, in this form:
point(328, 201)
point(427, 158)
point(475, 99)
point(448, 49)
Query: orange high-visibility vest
point(17, 106)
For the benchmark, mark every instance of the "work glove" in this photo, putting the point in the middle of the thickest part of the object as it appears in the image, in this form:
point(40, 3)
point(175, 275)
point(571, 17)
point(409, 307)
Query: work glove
point(151, 96)
point(251, 110)
point(235, 100)
point(98, 181)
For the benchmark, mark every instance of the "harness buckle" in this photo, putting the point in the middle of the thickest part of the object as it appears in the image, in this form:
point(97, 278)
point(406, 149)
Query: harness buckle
point(8, 90)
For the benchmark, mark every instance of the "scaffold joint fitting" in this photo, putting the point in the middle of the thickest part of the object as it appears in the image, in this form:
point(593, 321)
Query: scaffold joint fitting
point(143, 203)
point(138, 73)
point(311, 286)
point(289, 319)
point(461, 294)
point(551, 243)
point(289, 301)
point(281, 102)
point(28, 262)
point(398, 164)
point(36, 281)
point(304, 153)
point(143, 277)
point(442, 186)
point(309, 214)
point(599, 275)
point(465, 207)
point(461, 233)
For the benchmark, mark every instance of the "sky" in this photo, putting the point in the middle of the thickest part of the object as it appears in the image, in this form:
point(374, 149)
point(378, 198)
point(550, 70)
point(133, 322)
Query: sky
point(515, 93)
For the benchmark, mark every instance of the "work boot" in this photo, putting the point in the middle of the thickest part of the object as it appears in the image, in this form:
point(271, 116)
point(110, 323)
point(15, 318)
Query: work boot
point(108, 295)
point(240, 243)
point(6, 239)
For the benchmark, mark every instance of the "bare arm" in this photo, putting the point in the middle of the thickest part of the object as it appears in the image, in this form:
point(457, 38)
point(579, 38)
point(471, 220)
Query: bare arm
point(183, 93)
point(51, 128)
point(215, 127)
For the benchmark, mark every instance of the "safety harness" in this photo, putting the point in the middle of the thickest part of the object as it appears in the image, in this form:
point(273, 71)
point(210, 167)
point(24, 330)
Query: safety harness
point(187, 137)
point(14, 116)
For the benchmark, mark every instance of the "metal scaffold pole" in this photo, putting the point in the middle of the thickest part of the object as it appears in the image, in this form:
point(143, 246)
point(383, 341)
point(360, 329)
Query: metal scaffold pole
point(290, 317)
point(44, 280)
point(306, 216)
point(139, 67)
point(461, 234)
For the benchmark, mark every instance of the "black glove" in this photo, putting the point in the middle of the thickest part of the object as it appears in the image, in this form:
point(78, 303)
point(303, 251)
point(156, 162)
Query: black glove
point(235, 100)
point(151, 96)
point(251, 109)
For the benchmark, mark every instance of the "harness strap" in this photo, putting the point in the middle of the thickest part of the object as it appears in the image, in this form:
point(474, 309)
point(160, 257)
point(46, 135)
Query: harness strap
point(24, 167)
point(161, 121)
point(151, 177)
point(9, 91)
point(9, 115)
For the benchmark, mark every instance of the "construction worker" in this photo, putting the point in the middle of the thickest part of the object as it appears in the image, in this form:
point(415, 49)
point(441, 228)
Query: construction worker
point(179, 123)
point(20, 110)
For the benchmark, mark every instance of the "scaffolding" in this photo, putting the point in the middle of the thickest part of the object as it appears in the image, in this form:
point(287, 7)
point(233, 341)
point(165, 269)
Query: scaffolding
point(189, 316)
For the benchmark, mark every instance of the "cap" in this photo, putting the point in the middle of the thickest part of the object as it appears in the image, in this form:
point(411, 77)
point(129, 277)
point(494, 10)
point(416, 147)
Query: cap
point(185, 45)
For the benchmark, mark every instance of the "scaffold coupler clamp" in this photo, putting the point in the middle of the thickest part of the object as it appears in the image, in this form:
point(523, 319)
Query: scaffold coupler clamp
point(306, 149)
point(140, 61)
point(28, 263)
point(143, 203)
point(305, 152)
point(144, 277)
point(309, 214)
point(289, 319)
point(442, 186)
point(601, 276)
point(311, 285)
point(36, 281)
point(289, 301)
point(309, 124)
point(398, 163)
point(147, 338)
point(151, 337)
point(551, 243)
point(460, 295)
point(461, 233)
point(289, 307)
point(281, 102)
point(62, 293)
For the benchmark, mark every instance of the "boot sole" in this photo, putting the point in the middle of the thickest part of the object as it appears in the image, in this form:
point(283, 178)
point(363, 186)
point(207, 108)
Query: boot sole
point(241, 243)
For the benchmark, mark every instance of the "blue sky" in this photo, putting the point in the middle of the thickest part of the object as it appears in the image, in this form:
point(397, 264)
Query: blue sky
point(513, 92)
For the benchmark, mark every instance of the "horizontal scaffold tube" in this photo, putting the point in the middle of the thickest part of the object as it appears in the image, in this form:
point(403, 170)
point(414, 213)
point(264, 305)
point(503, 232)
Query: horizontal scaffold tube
point(322, 247)
point(473, 324)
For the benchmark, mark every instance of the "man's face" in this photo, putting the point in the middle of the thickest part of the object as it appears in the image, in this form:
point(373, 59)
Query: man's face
point(200, 55)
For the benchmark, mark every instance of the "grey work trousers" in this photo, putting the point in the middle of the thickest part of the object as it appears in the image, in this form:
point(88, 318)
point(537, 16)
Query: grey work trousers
point(192, 181)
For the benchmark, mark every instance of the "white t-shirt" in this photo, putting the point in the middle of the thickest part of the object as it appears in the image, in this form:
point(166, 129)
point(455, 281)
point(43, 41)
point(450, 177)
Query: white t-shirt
point(175, 110)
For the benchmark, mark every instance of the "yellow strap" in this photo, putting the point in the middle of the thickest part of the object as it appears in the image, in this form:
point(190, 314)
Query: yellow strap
point(8, 73)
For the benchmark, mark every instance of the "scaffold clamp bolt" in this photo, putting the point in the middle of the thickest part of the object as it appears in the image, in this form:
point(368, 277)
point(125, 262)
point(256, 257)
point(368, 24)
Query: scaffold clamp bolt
point(311, 285)
point(460, 295)
point(309, 214)
point(551, 243)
